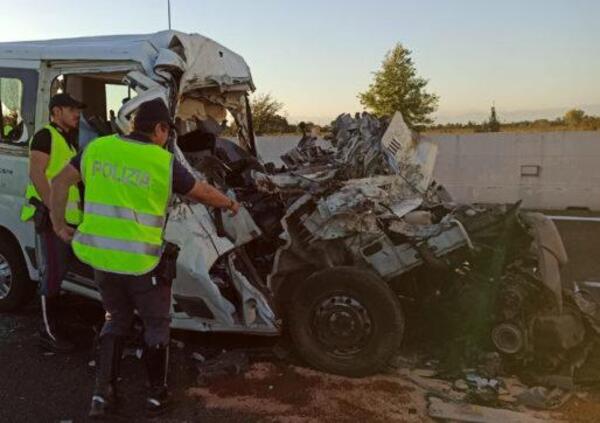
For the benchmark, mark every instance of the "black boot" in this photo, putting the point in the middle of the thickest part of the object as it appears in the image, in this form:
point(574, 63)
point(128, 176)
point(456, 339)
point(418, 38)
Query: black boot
point(156, 360)
point(108, 362)
point(50, 338)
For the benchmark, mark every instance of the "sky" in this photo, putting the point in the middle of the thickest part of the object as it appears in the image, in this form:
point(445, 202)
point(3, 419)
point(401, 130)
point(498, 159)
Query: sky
point(532, 59)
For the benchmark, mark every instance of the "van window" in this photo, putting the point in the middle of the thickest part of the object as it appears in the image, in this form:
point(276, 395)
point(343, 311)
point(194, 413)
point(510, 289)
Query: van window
point(11, 98)
point(103, 95)
point(116, 94)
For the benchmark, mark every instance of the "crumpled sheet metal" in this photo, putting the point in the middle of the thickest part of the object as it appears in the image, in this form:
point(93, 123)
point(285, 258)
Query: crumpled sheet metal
point(191, 228)
point(291, 182)
point(240, 228)
point(368, 148)
point(358, 204)
point(387, 190)
point(408, 154)
point(190, 109)
point(550, 250)
point(146, 89)
point(367, 186)
point(391, 260)
point(418, 232)
point(383, 172)
point(208, 63)
point(587, 299)
point(255, 308)
point(309, 151)
point(358, 144)
point(403, 207)
point(341, 226)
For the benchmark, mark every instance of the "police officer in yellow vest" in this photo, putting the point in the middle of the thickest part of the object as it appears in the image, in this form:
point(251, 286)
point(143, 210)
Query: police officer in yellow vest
point(51, 149)
point(128, 185)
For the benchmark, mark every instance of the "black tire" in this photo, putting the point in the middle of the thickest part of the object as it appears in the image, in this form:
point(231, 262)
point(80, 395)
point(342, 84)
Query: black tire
point(356, 298)
point(21, 289)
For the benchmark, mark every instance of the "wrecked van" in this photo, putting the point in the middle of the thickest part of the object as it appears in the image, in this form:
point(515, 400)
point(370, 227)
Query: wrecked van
point(336, 248)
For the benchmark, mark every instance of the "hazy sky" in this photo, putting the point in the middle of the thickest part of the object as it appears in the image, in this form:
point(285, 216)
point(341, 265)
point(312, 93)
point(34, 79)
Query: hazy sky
point(531, 57)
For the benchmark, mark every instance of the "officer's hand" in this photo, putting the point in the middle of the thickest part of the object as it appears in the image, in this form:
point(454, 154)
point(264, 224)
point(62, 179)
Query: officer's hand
point(65, 233)
point(234, 207)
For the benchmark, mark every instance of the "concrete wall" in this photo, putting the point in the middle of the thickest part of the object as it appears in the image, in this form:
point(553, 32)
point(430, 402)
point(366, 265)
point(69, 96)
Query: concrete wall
point(488, 168)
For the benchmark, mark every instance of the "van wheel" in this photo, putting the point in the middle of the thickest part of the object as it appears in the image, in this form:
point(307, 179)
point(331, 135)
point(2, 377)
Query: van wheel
point(16, 289)
point(346, 321)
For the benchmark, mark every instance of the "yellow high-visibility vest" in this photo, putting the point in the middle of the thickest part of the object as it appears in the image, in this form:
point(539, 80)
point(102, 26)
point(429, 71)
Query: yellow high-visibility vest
point(127, 192)
point(61, 154)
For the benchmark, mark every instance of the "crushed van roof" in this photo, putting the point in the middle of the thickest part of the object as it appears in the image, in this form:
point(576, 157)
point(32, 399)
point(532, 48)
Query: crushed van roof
point(219, 65)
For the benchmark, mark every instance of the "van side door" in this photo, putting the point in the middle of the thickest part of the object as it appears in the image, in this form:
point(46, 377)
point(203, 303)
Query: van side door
point(18, 93)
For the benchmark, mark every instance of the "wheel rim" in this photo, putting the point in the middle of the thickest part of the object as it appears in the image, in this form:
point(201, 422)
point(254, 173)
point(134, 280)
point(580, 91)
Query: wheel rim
point(5, 277)
point(342, 325)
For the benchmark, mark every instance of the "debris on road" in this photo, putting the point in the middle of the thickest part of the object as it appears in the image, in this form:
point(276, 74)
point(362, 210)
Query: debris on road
point(482, 390)
point(424, 372)
point(280, 392)
point(542, 398)
point(288, 393)
point(229, 363)
point(464, 412)
point(461, 385)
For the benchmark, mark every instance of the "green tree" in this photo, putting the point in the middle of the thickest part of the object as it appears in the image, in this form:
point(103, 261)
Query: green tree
point(574, 117)
point(266, 115)
point(396, 87)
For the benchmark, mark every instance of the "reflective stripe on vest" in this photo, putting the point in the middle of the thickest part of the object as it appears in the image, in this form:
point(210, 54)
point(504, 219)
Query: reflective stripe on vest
point(114, 244)
point(127, 191)
point(60, 155)
point(125, 213)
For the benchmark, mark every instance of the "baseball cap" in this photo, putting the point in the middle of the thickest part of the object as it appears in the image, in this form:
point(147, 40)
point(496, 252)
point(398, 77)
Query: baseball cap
point(65, 100)
point(152, 112)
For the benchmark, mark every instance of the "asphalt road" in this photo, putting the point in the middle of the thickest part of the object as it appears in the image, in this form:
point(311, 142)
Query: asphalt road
point(42, 387)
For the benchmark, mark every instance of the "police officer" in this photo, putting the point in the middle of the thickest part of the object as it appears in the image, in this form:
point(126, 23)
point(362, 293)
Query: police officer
point(51, 149)
point(128, 183)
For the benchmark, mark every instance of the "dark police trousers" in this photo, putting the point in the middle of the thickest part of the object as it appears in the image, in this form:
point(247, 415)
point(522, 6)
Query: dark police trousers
point(55, 256)
point(122, 294)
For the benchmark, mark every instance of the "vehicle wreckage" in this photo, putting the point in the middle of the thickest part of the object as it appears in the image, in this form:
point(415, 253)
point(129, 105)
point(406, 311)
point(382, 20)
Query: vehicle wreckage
point(335, 246)
point(488, 275)
point(337, 241)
